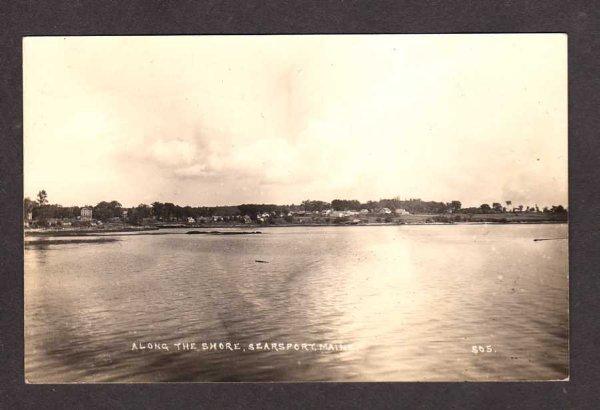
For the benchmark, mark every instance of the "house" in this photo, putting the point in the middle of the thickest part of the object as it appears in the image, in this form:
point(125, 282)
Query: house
point(86, 214)
point(385, 211)
point(342, 214)
point(124, 213)
point(363, 211)
point(191, 220)
point(401, 211)
point(247, 219)
point(337, 214)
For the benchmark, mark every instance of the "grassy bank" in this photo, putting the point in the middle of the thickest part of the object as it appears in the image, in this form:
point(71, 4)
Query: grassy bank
point(367, 220)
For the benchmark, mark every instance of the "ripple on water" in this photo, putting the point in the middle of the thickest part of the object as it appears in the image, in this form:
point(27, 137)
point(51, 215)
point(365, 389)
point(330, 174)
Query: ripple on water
point(411, 300)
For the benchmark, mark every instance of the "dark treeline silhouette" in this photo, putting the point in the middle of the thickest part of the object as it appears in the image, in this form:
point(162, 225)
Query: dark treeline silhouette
point(40, 210)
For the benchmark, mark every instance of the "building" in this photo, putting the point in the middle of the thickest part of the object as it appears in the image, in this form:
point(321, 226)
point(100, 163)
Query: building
point(385, 211)
point(86, 214)
point(191, 220)
point(401, 211)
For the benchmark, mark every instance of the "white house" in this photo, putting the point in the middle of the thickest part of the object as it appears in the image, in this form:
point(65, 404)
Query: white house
point(401, 211)
point(86, 214)
point(191, 220)
point(385, 211)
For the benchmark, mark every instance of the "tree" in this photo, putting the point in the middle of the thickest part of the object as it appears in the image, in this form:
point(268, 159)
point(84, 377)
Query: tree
point(169, 211)
point(345, 204)
point(42, 197)
point(497, 207)
point(312, 206)
point(485, 208)
point(157, 209)
point(136, 215)
point(456, 205)
point(106, 210)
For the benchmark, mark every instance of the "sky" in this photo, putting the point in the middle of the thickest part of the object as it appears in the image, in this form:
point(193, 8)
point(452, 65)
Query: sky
point(225, 120)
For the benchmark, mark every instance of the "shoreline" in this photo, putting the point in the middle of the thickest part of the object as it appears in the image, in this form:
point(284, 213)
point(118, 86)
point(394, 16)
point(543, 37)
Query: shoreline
point(153, 230)
point(37, 242)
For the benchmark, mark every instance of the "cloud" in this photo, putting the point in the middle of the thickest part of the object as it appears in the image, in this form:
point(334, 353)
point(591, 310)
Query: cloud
point(205, 120)
point(194, 171)
point(173, 152)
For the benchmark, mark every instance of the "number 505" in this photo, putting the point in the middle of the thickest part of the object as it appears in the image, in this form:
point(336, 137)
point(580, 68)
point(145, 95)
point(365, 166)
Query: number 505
point(482, 349)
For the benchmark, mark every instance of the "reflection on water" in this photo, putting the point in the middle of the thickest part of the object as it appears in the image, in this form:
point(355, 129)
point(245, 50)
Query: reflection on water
point(412, 301)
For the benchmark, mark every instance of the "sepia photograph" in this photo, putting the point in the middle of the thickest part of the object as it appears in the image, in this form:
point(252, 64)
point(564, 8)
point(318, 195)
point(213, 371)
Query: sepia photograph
point(295, 208)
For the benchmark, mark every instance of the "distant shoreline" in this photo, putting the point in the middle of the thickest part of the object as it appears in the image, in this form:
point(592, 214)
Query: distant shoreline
point(156, 230)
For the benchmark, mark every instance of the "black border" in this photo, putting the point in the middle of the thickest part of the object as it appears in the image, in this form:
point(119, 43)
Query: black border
point(579, 19)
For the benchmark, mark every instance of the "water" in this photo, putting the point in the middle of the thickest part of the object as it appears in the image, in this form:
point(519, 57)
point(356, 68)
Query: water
point(406, 302)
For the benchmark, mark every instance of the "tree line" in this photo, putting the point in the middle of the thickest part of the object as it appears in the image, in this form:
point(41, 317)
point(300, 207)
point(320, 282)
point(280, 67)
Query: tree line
point(40, 209)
